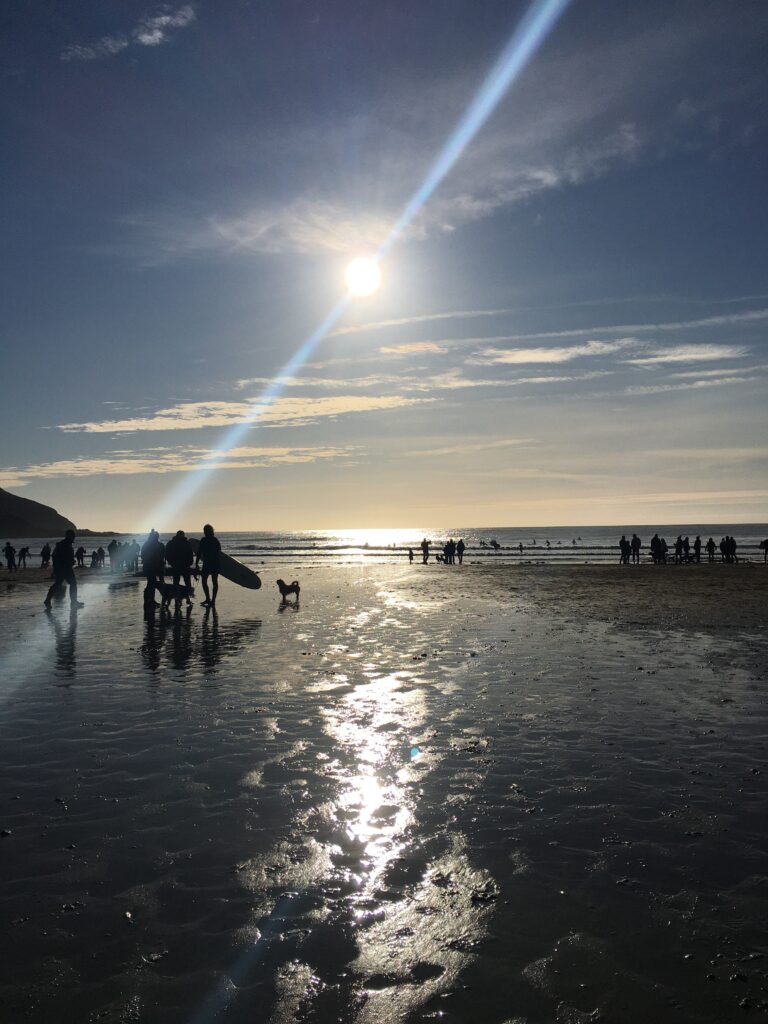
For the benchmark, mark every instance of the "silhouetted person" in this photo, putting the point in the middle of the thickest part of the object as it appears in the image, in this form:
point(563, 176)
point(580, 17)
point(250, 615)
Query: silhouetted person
point(520, 547)
point(112, 548)
point(10, 556)
point(635, 545)
point(711, 549)
point(102, 555)
point(63, 560)
point(764, 546)
point(451, 546)
point(23, 556)
point(460, 549)
point(94, 560)
point(624, 550)
point(209, 553)
point(410, 556)
point(686, 550)
point(723, 548)
point(697, 549)
point(425, 551)
point(656, 548)
point(180, 555)
point(664, 548)
point(153, 564)
point(679, 550)
point(45, 555)
point(80, 556)
point(732, 556)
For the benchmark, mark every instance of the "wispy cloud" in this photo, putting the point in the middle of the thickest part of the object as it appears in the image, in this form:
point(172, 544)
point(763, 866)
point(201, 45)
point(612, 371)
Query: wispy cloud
point(281, 412)
point(421, 318)
point(168, 460)
point(562, 354)
point(689, 354)
point(472, 447)
point(412, 348)
point(151, 30)
point(695, 385)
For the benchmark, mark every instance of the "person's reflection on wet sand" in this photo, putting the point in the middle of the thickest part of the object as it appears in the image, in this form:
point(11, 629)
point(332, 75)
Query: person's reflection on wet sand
point(65, 638)
point(154, 639)
point(181, 639)
point(210, 653)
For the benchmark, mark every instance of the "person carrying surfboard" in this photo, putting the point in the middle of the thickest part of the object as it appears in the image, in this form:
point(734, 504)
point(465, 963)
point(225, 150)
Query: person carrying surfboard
point(209, 553)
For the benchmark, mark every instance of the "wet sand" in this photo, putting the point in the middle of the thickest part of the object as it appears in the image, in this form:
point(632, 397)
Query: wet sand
point(487, 794)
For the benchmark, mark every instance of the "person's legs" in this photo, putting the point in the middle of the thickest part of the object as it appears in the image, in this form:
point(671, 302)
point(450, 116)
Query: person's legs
point(52, 591)
point(188, 584)
point(204, 581)
point(71, 579)
point(215, 582)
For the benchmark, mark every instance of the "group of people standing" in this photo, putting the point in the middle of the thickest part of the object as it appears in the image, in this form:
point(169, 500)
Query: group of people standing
point(452, 552)
point(180, 554)
point(683, 552)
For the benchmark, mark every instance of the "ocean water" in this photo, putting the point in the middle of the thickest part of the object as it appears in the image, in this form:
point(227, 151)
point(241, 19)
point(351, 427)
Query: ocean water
point(562, 544)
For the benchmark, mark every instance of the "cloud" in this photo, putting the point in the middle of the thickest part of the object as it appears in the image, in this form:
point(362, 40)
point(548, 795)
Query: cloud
point(689, 354)
point(725, 320)
point(695, 385)
point(378, 325)
point(472, 448)
point(169, 460)
point(151, 30)
point(550, 355)
point(280, 412)
point(411, 348)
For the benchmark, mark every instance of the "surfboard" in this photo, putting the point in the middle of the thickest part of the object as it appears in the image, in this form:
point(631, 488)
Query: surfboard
point(235, 571)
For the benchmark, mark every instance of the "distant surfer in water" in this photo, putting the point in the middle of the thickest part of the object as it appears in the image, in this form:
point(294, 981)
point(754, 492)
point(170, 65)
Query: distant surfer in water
point(209, 553)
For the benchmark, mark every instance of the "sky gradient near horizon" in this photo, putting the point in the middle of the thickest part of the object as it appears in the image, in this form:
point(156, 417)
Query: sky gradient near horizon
point(572, 330)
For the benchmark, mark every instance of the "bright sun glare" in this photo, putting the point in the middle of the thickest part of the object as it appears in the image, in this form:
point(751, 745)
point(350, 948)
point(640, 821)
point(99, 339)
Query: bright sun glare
point(362, 276)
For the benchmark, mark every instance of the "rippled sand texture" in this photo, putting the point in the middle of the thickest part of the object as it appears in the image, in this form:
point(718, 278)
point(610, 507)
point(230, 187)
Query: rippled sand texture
point(425, 795)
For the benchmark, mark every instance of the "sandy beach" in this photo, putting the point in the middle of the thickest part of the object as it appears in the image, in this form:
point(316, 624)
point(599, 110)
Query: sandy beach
point(480, 794)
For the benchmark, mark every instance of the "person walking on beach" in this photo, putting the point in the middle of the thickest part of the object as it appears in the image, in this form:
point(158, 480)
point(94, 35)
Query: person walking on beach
point(80, 556)
point(711, 549)
point(45, 555)
point(636, 544)
point(209, 552)
point(153, 564)
point(460, 549)
point(732, 550)
point(63, 560)
point(424, 551)
point(679, 550)
point(697, 549)
point(180, 555)
point(102, 555)
point(10, 556)
point(23, 556)
point(112, 549)
point(410, 556)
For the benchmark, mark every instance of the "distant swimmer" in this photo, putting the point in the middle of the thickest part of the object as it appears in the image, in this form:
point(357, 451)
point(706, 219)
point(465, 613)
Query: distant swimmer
point(209, 553)
point(23, 556)
point(63, 573)
point(460, 549)
point(180, 555)
point(10, 556)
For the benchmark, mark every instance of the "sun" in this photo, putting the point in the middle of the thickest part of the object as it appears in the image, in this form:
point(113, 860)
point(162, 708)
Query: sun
point(362, 276)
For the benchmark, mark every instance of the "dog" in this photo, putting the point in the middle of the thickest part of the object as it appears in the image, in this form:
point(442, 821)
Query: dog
point(288, 588)
point(174, 591)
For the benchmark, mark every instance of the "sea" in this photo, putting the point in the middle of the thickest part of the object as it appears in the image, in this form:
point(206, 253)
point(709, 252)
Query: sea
point(492, 545)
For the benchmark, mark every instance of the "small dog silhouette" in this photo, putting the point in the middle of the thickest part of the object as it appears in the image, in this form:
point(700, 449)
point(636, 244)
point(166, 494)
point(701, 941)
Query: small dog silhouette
point(288, 588)
point(171, 591)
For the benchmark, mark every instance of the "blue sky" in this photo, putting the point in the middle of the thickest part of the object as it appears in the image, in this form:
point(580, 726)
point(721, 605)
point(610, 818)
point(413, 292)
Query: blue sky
point(571, 331)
